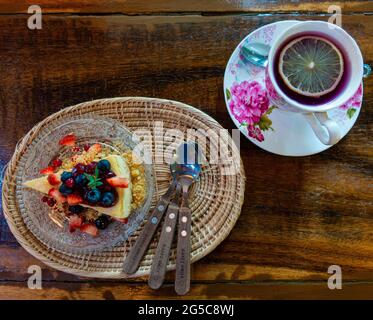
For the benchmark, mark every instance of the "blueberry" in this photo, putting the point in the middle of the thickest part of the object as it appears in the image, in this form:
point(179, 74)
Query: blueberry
point(102, 222)
point(81, 180)
point(103, 165)
point(108, 199)
point(65, 190)
point(66, 175)
point(93, 196)
point(76, 209)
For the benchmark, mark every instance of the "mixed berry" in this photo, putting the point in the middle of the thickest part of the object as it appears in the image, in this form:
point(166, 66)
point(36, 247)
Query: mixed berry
point(92, 184)
point(88, 184)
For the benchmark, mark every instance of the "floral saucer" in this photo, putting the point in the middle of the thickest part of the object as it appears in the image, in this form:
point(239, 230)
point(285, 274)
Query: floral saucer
point(274, 130)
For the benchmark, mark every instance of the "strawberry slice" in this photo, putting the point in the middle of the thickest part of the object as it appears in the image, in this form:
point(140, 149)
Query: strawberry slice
point(74, 199)
point(55, 194)
point(68, 140)
point(47, 170)
point(121, 220)
point(53, 179)
point(75, 222)
point(118, 182)
point(89, 228)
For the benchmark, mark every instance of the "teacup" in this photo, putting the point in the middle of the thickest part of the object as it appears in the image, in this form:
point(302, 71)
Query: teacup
point(327, 130)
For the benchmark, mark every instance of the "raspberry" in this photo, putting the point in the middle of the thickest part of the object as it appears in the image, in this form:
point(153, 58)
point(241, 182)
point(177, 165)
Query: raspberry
point(56, 163)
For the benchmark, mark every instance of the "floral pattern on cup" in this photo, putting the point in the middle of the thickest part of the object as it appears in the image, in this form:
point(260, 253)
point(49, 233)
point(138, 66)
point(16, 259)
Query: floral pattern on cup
point(250, 105)
point(272, 93)
point(268, 33)
point(354, 103)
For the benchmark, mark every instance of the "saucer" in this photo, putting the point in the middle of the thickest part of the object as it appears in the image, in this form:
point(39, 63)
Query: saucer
point(272, 129)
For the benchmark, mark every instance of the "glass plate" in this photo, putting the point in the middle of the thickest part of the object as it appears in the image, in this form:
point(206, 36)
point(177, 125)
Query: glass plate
point(44, 148)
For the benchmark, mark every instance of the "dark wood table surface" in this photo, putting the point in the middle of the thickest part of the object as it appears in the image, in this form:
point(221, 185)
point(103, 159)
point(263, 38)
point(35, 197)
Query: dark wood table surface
point(300, 215)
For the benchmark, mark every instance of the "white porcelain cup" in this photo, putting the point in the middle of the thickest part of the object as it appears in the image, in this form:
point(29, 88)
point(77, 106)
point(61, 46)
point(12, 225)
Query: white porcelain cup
point(325, 129)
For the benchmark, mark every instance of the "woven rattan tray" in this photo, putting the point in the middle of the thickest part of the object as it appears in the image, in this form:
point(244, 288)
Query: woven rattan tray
point(216, 202)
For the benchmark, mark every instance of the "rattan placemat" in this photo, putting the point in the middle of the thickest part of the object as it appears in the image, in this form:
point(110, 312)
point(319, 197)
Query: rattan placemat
point(216, 203)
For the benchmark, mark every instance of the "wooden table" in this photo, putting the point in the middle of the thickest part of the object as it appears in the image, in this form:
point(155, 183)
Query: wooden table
point(300, 215)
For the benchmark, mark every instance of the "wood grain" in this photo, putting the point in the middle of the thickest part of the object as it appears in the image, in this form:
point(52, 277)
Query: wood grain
point(128, 291)
point(300, 214)
point(73, 59)
point(136, 7)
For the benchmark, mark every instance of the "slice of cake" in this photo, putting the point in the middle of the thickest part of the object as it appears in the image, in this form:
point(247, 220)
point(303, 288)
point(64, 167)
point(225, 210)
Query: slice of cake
point(104, 186)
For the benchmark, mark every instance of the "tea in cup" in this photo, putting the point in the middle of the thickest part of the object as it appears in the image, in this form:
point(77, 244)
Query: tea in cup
point(313, 67)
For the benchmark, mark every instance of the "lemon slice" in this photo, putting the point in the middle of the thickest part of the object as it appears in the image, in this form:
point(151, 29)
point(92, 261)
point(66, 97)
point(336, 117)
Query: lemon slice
point(311, 66)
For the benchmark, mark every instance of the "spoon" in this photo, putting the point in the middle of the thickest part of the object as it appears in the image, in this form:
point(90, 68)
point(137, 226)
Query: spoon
point(187, 173)
point(256, 53)
point(133, 260)
point(161, 257)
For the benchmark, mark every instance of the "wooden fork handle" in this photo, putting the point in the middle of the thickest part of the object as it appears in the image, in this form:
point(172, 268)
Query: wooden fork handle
point(182, 278)
point(133, 259)
point(159, 265)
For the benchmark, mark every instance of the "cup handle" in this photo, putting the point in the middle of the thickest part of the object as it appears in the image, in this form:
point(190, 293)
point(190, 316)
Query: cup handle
point(325, 129)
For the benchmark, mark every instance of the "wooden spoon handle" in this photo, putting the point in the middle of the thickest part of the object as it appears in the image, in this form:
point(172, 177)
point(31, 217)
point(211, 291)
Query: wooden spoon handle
point(133, 259)
point(159, 265)
point(182, 280)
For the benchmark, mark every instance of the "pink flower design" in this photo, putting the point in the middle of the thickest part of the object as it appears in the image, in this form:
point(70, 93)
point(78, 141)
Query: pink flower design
point(268, 33)
point(256, 133)
point(354, 101)
point(248, 102)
